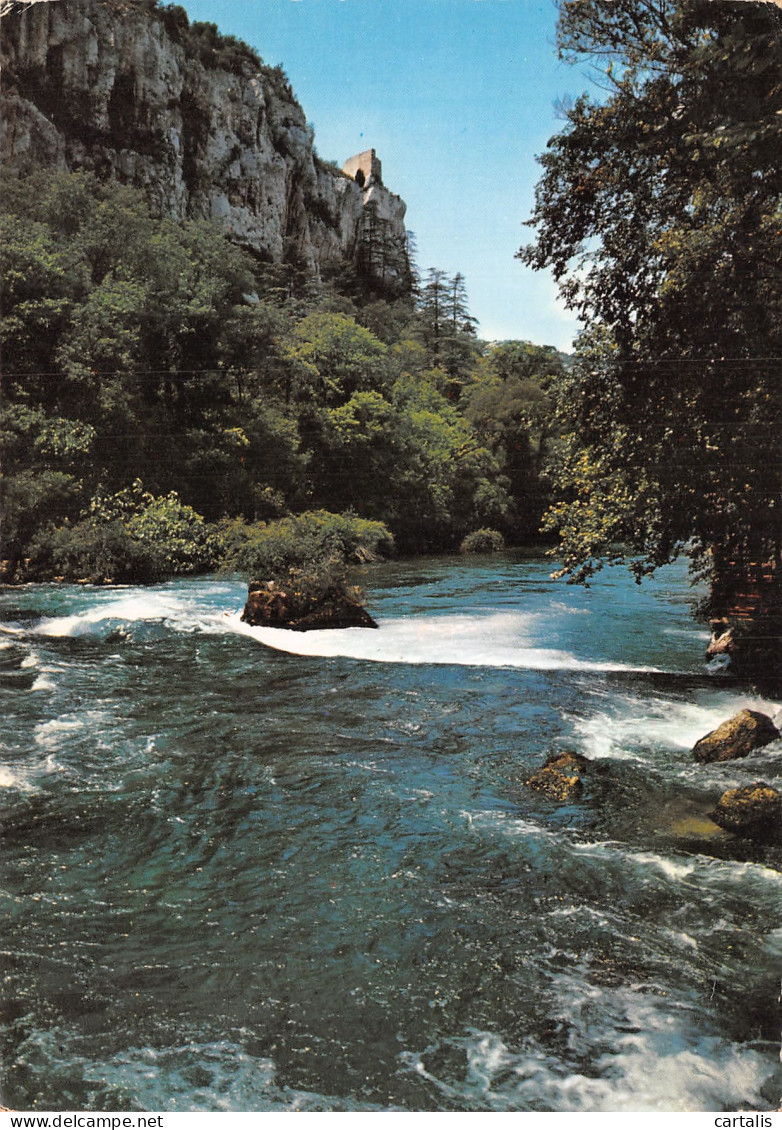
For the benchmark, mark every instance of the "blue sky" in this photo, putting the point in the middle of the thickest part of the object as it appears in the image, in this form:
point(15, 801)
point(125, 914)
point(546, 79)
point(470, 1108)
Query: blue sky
point(457, 97)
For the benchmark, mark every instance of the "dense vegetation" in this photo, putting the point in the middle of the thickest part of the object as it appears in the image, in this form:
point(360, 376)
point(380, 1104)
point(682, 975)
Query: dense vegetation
point(170, 403)
point(659, 213)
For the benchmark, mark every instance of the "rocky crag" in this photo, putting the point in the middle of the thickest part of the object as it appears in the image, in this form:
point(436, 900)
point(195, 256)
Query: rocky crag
point(135, 92)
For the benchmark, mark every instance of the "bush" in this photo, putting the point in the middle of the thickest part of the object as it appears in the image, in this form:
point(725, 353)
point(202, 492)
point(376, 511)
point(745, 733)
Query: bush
point(131, 536)
point(101, 552)
point(215, 50)
point(311, 590)
point(483, 541)
point(310, 542)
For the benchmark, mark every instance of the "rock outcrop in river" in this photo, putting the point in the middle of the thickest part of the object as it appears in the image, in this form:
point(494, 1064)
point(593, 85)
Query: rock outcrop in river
point(272, 606)
point(754, 811)
point(560, 778)
point(136, 93)
point(738, 737)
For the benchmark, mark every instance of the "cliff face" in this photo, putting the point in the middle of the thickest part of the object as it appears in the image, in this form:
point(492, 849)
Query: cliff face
point(134, 94)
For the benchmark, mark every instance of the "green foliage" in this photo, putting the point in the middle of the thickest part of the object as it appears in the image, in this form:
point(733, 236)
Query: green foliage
point(409, 459)
point(658, 211)
point(310, 541)
point(90, 551)
point(140, 349)
point(119, 319)
point(510, 400)
point(445, 481)
point(483, 541)
point(446, 326)
point(42, 458)
point(329, 356)
point(181, 539)
point(128, 536)
point(314, 585)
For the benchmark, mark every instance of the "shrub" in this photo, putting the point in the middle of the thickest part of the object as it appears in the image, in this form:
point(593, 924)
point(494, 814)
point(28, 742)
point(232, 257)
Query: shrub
point(310, 589)
point(309, 542)
point(215, 50)
point(180, 538)
point(483, 541)
point(90, 550)
point(131, 536)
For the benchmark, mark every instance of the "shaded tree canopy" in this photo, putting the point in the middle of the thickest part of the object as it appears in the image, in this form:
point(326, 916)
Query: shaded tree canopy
point(659, 213)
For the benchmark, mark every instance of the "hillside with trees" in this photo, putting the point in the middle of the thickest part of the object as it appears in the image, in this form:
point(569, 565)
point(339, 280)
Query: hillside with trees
point(168, 395)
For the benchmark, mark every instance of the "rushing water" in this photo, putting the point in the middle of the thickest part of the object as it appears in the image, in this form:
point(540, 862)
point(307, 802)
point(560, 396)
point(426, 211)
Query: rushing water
point(240, 878)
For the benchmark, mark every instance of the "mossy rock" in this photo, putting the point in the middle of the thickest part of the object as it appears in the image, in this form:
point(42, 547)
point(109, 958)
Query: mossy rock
point(754, 811)
point(272, 606)
point(738, 737)
point(560, 778)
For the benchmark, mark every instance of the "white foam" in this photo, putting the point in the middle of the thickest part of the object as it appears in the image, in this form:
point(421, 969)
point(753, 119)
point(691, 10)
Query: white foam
point(221, 1077)
point(50, 735)
point(138, 607)
point(654, 1063)
point(633, 725)
point(468, 641)
point(700, 871)
point(10, 780)
point(671, 868)
point(135, 606)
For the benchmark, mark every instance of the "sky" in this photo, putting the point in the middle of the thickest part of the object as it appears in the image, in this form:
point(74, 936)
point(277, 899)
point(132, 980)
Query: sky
point(457, 97)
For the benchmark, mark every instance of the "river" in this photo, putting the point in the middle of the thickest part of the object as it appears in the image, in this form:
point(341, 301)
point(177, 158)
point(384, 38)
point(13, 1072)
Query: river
point(239, 878)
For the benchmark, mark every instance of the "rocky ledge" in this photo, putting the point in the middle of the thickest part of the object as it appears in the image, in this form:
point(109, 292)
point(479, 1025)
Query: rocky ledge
point(137, 94)
point(272, 606)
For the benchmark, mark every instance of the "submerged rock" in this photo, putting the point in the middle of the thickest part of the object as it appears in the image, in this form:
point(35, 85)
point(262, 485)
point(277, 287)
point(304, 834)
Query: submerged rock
point(738, 737)
point(754, 811)
point(272, 607)
point(560, 778)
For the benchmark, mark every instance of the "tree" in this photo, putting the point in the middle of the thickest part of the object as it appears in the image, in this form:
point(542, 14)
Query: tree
point(444, 481)
point(658, 212)
point(329, 356)
point(118, 320)
point(459, 346)
point(509, 402)
point(42, 459)
point(446, 327)
point(141, 350)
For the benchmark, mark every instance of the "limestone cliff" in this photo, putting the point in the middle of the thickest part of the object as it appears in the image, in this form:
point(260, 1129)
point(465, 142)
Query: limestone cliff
point(135, 92)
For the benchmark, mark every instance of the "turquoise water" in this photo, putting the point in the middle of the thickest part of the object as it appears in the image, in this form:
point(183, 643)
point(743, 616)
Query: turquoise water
point(240, 878)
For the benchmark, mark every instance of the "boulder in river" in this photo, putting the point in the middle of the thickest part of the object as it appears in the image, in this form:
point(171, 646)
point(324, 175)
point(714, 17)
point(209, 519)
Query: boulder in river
point(754, 811)
point(738, 737)
point(271, 606)
point(560, 777)
point(722, 640)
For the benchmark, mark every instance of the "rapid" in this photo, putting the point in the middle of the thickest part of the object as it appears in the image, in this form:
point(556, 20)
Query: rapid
point(247, 869)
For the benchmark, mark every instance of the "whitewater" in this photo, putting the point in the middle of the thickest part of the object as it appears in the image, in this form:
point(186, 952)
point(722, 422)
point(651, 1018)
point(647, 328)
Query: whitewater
point(251, 869)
